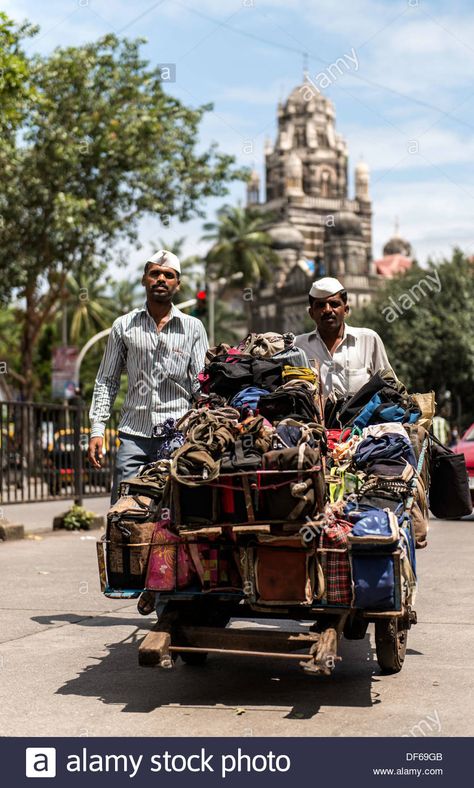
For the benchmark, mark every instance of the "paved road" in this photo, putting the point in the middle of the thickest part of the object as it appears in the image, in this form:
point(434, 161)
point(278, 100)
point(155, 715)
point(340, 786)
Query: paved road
point(68, 660)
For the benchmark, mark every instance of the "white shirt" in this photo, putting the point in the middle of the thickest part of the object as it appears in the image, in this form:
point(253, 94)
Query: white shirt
point(162, 368)
point(359, 356)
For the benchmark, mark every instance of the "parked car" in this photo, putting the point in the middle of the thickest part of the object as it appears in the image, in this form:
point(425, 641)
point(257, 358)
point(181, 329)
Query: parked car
point(59, 461)
point(466, 446)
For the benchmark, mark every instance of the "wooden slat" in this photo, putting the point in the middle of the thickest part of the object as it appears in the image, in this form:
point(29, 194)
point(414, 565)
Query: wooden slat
point(241, 653)
point(243, 639)
point(213, 529)
point(153, 648)
point(248, 499)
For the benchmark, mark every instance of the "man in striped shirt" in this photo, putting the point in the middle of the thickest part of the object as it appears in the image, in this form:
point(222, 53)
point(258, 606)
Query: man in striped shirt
point(162, 350)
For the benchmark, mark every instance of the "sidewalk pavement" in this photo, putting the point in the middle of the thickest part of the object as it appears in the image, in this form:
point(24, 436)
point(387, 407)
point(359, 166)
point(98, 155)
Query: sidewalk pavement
point(38, 517)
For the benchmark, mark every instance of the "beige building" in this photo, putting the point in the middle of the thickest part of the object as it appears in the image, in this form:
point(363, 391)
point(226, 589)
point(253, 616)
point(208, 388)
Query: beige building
point(319, 230)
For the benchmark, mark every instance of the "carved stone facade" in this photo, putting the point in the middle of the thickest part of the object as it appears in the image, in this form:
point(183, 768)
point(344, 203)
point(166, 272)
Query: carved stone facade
point(320, 231)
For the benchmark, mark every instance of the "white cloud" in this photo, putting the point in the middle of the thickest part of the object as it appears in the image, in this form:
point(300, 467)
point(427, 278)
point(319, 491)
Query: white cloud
point(384, 147)
point(419, 58)
point(434, 217)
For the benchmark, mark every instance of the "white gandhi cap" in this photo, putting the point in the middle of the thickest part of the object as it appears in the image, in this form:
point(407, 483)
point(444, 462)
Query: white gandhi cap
point(326, 287)
point(166, 259)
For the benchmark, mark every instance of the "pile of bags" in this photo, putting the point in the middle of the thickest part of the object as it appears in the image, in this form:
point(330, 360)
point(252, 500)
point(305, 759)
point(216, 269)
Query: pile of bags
point(258, 497)
point(254, 444)
point(377, 515)
point(383, 468)
point(251, 449)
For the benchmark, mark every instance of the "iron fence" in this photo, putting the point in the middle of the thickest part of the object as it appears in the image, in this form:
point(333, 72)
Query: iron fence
point(43, 453)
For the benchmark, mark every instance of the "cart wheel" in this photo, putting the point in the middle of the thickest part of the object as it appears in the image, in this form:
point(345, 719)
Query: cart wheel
point(390, 645)
point(197, 658)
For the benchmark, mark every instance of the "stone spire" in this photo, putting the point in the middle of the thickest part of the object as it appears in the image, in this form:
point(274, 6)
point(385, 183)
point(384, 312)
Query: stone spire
point(362, 181)
point(253, 188)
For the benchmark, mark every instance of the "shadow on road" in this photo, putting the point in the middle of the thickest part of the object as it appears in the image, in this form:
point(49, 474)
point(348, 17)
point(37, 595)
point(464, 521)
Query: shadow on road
point(233, 682)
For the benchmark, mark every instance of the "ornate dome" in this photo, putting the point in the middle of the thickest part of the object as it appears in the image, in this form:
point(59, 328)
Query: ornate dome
point(285, 236)
point(346, 223)
point(397, 245)
point(302, 96)
point(297, 95)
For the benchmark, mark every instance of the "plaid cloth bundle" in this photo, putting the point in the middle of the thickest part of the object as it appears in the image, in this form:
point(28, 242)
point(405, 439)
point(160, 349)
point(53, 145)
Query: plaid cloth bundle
point(334, 560)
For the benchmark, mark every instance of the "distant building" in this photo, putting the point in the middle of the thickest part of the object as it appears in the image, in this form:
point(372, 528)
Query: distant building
point(319, 230)
point(397, 257)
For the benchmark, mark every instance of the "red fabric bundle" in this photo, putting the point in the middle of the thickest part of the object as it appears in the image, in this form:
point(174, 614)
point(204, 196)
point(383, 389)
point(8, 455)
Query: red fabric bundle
point(169, 565)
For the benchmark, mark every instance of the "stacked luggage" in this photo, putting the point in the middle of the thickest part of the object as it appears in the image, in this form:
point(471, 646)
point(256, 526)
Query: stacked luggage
point(268, 499)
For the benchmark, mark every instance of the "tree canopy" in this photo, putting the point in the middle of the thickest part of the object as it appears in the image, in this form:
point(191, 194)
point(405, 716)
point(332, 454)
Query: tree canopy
point(15, 86)
point(100, 144)
point(426, 320)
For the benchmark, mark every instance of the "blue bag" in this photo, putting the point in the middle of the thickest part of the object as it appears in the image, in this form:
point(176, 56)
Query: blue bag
point(373, 528)
point(248, 398)
point(378, 412)
point(373, 539)
point(374, 582)
point(390, 446)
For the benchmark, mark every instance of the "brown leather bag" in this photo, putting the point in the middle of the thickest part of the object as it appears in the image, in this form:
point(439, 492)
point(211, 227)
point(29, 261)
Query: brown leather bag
point(130, 525)
point(288, 495)
point(279, 570)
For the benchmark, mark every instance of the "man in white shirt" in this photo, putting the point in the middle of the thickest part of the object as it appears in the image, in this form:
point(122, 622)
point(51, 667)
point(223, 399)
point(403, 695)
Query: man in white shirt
point(347, 356)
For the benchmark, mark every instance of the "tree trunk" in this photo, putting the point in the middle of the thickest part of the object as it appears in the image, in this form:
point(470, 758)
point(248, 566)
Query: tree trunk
point(28, 342)
point(38, 310)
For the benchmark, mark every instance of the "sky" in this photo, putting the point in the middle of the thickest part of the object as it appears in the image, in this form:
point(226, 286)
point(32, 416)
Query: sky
point(404, 103)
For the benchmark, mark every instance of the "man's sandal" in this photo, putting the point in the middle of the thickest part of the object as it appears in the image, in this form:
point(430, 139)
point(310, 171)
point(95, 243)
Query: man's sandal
point(146, 603)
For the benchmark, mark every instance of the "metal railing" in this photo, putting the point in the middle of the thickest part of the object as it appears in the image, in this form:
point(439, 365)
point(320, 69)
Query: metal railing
point(43, 453)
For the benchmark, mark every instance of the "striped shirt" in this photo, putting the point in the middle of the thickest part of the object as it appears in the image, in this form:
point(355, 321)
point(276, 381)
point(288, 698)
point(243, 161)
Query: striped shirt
point(162, 368)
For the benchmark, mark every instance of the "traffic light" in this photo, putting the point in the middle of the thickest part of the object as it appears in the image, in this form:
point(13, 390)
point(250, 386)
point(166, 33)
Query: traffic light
point(200, 309)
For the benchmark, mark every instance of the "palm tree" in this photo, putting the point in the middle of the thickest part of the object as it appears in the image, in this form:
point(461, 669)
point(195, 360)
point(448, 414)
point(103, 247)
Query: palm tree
point(125, 294)
point(92, 311)
point(241, 243)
